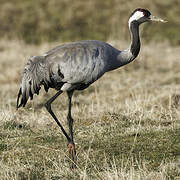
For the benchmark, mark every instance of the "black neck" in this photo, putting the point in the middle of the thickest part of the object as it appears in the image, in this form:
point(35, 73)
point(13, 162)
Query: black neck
point(135, 41)
point(128, 55)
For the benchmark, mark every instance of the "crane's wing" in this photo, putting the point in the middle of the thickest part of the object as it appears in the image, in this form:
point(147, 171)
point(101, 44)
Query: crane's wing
point(66, 67)
point(79, 63)
point(32, 78)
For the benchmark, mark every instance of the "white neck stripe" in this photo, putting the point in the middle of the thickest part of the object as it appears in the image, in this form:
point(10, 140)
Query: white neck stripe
point(137, 15)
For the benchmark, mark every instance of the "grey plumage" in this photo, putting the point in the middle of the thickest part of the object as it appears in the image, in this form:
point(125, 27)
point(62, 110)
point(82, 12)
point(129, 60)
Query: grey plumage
point(35, 74)
point(74, 66)
point(66, 67)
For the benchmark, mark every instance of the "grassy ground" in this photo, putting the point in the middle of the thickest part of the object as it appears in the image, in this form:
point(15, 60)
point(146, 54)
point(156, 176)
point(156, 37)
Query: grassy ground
point(127, 124)
point(39, 21)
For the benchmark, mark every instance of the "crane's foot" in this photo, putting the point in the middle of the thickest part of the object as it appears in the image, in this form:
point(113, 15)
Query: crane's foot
point(72, 154)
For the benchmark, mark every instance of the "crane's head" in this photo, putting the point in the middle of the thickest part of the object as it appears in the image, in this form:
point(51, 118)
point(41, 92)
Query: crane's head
point(142, 15)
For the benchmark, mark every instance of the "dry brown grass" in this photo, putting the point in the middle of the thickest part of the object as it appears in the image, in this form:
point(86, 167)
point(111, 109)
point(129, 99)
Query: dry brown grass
point(127, 124)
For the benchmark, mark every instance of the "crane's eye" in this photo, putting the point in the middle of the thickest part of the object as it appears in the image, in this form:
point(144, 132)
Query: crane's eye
point(146, 13)
point(143, 11)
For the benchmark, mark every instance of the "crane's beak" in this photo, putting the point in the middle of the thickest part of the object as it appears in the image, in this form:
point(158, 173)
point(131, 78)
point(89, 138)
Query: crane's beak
point(154, 18)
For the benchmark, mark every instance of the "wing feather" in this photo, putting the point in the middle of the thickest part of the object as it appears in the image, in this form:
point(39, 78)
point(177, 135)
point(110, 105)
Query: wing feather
point(32, 79)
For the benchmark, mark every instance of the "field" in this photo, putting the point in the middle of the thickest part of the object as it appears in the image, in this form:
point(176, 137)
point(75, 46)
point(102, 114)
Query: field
point(40, 21)
point(127, 124)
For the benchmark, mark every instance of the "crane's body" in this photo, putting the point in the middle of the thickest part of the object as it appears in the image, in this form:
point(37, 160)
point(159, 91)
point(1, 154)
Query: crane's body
point(74, 66)
point(71, 66)
point(79, 64)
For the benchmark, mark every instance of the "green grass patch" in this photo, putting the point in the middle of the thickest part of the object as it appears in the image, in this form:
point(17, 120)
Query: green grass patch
point(39, 154)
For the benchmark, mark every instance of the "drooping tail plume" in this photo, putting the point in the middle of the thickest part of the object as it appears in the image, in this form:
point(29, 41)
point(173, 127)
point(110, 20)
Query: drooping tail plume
point(32, 79)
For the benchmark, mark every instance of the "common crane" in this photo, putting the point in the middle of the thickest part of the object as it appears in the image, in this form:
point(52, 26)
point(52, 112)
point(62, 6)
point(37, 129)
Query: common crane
point(75, 66)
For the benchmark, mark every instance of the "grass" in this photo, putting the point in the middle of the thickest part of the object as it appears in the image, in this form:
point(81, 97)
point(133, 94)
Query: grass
point(40, 21)
point(127, 124)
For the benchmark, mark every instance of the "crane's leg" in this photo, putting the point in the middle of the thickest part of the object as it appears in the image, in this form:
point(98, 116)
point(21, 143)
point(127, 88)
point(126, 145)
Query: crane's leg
point(71, 145)
point(48, 107)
